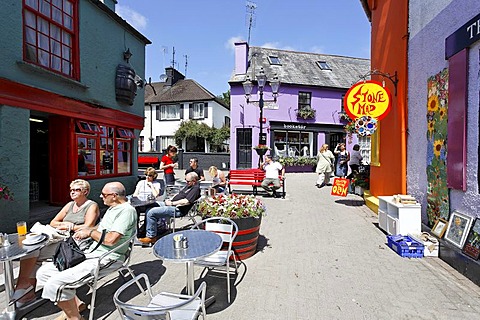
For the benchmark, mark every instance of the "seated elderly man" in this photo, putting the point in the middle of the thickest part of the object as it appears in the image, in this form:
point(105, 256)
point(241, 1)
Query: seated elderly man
point(178, 206)
point(119, 223)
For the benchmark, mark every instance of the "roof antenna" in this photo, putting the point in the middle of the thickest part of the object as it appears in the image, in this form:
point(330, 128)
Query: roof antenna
point(186, 64)
point(251, 6)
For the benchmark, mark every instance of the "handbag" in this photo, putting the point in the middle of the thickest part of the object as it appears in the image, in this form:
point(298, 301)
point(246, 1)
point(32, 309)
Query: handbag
point(68, 254)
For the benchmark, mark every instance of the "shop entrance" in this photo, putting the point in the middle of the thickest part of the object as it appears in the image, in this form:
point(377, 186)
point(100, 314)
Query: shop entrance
point(39, 159)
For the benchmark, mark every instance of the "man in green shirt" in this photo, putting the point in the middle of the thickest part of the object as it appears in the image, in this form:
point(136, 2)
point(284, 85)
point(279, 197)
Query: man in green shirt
point(119, 223)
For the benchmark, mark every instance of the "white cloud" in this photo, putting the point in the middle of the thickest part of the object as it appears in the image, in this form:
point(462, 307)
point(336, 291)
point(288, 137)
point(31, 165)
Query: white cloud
point(317, 49)
point(133, 17)
point(230, 44)
point(277, 45)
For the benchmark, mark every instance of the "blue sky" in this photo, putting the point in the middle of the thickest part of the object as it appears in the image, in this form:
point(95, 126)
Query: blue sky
point(205, 30)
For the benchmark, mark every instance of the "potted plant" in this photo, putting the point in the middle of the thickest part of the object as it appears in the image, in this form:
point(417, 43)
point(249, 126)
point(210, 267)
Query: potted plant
point(360, 182)
point(306, 113)
point(245, 210)
point(298, 164)
point(261, 149)
point(350, 130)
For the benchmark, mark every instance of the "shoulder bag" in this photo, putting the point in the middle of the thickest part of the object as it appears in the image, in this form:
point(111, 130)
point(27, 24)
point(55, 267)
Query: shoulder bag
point(68, 254)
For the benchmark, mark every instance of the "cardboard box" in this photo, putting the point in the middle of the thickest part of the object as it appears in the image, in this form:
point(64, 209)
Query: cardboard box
point(430, 242)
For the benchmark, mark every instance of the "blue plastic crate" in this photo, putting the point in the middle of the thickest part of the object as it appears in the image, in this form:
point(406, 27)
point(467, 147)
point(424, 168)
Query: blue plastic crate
point(405, 246)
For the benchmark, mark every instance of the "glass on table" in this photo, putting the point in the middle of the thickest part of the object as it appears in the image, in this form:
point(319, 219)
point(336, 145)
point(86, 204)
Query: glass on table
point(22, 228)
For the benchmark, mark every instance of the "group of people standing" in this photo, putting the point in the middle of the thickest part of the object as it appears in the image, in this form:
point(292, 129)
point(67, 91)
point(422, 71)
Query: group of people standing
point(337, 163)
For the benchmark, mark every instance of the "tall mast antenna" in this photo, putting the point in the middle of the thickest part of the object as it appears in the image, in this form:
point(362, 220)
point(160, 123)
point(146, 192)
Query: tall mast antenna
point(251, 6)
point(173, 58)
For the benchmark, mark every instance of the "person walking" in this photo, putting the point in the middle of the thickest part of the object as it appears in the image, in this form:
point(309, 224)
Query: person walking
point(355, 161)
point(343, 156)
point(325, 159)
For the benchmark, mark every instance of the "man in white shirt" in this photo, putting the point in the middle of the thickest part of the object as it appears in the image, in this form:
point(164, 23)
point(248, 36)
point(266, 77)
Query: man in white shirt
point(273, 170)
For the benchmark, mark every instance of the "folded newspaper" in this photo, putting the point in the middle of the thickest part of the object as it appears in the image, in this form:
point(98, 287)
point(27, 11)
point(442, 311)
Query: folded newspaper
point(52, 233)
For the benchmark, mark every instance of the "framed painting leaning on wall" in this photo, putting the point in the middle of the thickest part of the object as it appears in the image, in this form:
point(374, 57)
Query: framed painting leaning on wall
point(458, 228)
point(440, 227)
point(472, 244)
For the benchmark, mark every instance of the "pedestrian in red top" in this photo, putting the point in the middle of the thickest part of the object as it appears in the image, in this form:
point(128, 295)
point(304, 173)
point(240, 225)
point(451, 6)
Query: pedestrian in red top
point(167, 165)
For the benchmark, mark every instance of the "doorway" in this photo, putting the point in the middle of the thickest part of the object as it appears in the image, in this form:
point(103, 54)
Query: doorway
point(244, 148)
point(39, 159)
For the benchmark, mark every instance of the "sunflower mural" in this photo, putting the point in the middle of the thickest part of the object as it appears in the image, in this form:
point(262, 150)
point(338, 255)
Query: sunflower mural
point(437, 107)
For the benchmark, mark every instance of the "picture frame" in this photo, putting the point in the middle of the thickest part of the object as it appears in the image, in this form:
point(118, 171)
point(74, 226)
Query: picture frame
point(472, 243)
point(440, 227)
point(458, 228)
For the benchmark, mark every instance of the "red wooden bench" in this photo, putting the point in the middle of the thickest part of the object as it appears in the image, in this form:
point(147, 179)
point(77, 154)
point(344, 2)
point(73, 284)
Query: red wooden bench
point(249, 177)
point(148, 161)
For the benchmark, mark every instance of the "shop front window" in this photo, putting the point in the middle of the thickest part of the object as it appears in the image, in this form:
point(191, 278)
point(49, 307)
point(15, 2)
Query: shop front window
point(293, 144)
point(103, 150)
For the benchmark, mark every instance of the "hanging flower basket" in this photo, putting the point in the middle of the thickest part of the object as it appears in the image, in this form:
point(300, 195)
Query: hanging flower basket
point(306, 113)
point(261, 149)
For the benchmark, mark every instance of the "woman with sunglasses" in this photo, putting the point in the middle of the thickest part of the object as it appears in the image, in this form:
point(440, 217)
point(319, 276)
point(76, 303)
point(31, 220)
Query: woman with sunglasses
point(148, 188)
point(76, 214)
point(167, 164)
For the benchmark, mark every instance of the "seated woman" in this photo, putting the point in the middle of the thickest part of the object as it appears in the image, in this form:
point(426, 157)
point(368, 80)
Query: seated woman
point(219, 182)
point(78, 213)
point(148, 188)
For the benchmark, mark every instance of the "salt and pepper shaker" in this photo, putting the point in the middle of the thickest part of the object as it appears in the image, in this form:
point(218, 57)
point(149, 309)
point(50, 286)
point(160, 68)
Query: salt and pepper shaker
point(5, 241)
point(184, 243)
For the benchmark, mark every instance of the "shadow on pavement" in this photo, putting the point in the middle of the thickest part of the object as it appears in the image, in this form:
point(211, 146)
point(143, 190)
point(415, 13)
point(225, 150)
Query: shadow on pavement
point(351, 202)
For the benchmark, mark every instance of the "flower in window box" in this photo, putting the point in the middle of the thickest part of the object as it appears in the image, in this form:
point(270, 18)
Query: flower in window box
point(6, 193)
point(306, 113)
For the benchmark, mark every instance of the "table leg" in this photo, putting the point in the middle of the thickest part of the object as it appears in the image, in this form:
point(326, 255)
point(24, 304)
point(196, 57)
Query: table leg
point(190, 279)
point(9, 311)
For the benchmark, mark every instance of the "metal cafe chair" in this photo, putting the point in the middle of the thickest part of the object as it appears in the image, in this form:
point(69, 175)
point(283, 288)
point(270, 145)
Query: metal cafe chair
point(92, 279)
point(192, 212)
point(227, 229)
point(164, 305)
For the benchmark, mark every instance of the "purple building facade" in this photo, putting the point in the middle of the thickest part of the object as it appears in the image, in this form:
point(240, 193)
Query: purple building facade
point(309, 81)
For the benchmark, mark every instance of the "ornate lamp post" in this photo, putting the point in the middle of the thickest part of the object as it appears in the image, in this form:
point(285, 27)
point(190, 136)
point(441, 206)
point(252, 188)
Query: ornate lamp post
point(261, 82)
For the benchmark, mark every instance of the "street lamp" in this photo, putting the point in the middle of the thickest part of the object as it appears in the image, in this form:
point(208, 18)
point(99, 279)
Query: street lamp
point(261, 82)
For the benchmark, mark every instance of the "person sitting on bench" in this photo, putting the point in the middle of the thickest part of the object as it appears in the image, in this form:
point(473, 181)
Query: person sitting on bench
point(272, 173)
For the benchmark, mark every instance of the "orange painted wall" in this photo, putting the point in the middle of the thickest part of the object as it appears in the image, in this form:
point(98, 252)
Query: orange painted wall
point(389, 54)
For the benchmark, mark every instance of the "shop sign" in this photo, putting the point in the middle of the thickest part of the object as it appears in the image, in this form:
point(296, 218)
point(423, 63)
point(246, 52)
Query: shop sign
point(463, 38)
point(367, 99)
point(340, 187)
point(294, 126)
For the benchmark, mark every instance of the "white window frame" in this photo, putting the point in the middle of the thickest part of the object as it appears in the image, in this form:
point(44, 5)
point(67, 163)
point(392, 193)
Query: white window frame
point(365, 148)
point(166, 141)
point(170, 112)
point(198, 110)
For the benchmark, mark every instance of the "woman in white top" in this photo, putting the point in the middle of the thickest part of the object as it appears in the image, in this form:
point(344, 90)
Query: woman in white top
point(324, 168)
point(149, 187)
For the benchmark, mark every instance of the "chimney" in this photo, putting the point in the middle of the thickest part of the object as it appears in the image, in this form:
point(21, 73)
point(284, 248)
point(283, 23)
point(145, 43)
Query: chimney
point(241, 57)
point(173, 76)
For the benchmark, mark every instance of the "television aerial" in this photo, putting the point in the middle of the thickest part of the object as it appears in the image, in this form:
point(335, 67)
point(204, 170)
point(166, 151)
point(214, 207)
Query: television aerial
point(163, 77)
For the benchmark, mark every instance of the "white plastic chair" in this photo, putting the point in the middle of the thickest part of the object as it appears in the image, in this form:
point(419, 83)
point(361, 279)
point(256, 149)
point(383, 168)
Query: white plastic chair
point(164, 305)
point(92, 279)
point(228, 230)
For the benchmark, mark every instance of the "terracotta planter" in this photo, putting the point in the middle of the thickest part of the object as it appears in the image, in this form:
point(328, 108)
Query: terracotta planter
point(245, 244)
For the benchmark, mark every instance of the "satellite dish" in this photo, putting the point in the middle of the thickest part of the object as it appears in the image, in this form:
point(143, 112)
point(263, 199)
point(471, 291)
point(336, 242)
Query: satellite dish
point(163, 77)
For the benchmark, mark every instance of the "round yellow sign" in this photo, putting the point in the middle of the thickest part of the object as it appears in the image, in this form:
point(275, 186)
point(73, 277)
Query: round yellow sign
point(367, 98)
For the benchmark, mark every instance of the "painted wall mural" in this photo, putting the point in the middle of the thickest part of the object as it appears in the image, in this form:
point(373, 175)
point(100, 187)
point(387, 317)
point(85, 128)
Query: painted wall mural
point(437, 107)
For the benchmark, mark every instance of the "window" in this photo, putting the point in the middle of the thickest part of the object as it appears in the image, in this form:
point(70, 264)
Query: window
point(375, 147)
point(195, 144)
point(170, 112)
point(141, 144)
point(323, 65)
point(364, 143)
point(50, 35)
point(226, 122)
point(164, 141)
point(304, 100)
point(103, 150)
point(198, 110)
point(274, 60)
point(293, 144)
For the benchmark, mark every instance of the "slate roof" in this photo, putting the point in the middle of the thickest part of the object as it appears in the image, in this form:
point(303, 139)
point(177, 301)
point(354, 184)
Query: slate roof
point(301, 68)
point(186, 90)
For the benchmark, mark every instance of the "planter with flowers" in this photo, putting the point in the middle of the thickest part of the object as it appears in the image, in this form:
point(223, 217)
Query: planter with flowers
point(245, 210)
point(261, 149)
point(298, 164)
point(306, 113)
point(360, 182)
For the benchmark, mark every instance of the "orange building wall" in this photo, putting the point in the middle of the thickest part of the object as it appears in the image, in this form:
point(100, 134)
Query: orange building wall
point(389, 54)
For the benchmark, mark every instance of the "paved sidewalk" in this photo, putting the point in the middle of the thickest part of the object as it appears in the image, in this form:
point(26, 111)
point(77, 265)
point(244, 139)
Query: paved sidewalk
point(320, 257)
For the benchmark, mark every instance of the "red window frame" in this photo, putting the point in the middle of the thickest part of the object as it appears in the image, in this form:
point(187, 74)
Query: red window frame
point(50, 35)
point(121, 136)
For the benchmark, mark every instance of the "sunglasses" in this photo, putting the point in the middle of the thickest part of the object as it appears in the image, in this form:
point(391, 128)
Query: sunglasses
point(76, 190)
point(150, 175)
point(104, 195)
